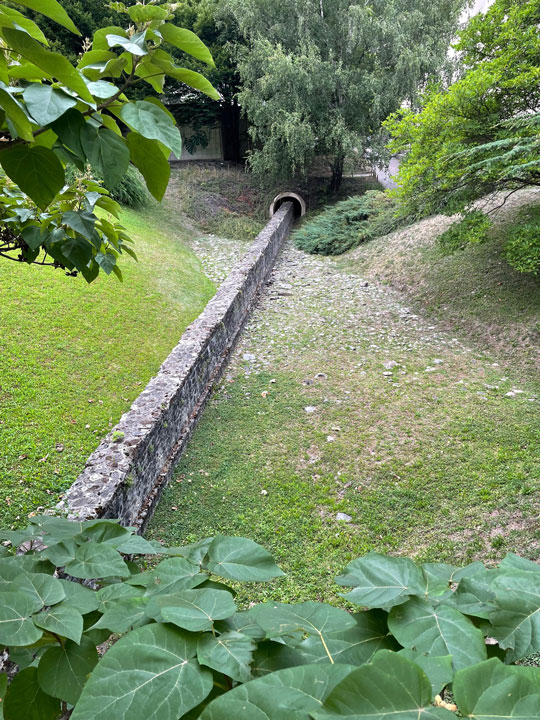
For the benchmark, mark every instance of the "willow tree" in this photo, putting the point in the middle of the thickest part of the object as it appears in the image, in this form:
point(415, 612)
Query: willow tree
point(319, 76)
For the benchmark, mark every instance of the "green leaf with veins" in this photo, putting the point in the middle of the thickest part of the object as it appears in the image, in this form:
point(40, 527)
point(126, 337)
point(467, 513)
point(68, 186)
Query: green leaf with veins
point(380, 581)
point(186, 41)
point(153, 123)
point(230, 653)
point(16, 626)
point(241, 559)
point(51, 9)
point(96, 561)
point(47, 590)
point(124, 614)
point(293, 693)
point(45, 104)
point(106, 152)
point(149, 674)
point(151, 163)
point(64, 621)
point(36, 170)
point(390, 686)
point(493, 691)
point(63, 670)
point(437, 631)
point(516, 621)
point(52, 63)
point(194, 610)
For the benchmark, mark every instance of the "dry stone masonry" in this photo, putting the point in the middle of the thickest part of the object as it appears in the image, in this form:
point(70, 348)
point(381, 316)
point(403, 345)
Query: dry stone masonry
point(125, 476)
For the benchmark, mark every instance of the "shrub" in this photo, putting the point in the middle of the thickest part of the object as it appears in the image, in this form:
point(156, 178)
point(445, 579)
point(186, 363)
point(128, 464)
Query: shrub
point(94, 631)
point(346, 224)
point(473, 227)
point(129, 191)
point(522, 249)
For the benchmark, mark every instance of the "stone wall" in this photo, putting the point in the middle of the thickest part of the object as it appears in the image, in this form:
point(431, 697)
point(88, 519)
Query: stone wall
point(125, 476)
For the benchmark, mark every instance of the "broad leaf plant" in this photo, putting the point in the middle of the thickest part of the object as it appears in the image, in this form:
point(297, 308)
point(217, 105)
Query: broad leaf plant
point(99, 623)
point(54, 115)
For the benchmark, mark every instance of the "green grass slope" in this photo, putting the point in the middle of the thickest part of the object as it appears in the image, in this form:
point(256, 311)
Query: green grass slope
point(73, 357)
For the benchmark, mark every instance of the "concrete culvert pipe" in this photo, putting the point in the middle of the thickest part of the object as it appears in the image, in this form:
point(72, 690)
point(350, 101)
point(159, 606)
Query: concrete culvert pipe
point(297, 200)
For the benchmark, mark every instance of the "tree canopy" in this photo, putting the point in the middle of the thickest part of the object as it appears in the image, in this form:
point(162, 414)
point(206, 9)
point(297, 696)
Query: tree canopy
point(319, 77)
point(482, 134)
point(54, 115)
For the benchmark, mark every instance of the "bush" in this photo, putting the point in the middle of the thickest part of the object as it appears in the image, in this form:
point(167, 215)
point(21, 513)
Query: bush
point(347, 224)
point(94, 631)
point(522, 250)
point(473, 227)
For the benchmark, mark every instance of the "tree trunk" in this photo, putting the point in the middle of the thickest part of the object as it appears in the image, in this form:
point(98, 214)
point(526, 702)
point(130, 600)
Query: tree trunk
point(337, 174)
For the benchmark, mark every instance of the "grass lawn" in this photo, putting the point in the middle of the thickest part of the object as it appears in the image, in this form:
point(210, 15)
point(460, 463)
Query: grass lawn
point(74, 356)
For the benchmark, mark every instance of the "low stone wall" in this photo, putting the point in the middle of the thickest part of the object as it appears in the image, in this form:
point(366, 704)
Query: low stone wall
point(125, 476)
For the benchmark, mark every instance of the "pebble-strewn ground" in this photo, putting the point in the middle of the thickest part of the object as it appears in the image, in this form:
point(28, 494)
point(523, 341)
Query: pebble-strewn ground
point(347, 422)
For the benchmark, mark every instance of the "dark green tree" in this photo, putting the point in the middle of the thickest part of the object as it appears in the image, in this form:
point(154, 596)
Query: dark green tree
point(319, 77)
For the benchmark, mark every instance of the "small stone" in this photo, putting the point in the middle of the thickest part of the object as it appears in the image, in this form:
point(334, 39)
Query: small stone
point(438, 361)
point(510, 394)
point(264, 492)
point(310, 409)
point(248, 357)
point(387, 374)
point(330, 438)
point(59, 447)
point(321, 376)
point(343, 517)
point(307, 382)
point(390, 365)
point(430, 369)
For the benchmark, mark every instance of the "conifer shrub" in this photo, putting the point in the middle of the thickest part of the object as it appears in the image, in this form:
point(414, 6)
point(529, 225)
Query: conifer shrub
point(522, 249)
point(347, 224)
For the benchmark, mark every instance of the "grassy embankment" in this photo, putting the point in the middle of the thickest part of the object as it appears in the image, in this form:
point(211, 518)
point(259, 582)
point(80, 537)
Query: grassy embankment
point(431, 457)
point(73, 357)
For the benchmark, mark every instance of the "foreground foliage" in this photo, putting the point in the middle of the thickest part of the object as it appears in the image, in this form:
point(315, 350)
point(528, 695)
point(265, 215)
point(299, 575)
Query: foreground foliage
point(167, 641)
point(482, 134)
point(54, 115)
point(346, 224)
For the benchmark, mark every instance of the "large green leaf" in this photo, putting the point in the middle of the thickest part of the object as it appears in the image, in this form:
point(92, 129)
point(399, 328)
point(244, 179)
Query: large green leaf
point(189, 77)
point(171, 575)
point(16, 626)
point(16, 114)
point(106, 152)
point(230, 653)
point(134, 45)
point(25, 699)
point(319, 619)
point(516, 622)
point(123, 615)
point(147, 13)
point(389, 687)
point(46, 589)
point(13, 18)
point(45, 104)
point(493, 691)
point(79, 597)
point(380, 581)
point(354, 646)
point(62, 552)
point(291, 694)
point(474, 598)
point(52, 9)
point(63, 670)
point(153, 166)
point(111, 594)
point(153, 123)
point(438, 669)
point(193, 610)
point(186, 41)
point(237, 558)
point(64, 621)
point(53, 63)
point(97, 561)
point(37, 171)
point(149, 674)
point(437, 631)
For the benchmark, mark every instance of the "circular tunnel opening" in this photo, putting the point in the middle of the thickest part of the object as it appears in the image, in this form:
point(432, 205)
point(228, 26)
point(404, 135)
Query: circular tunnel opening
point(297, 200)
